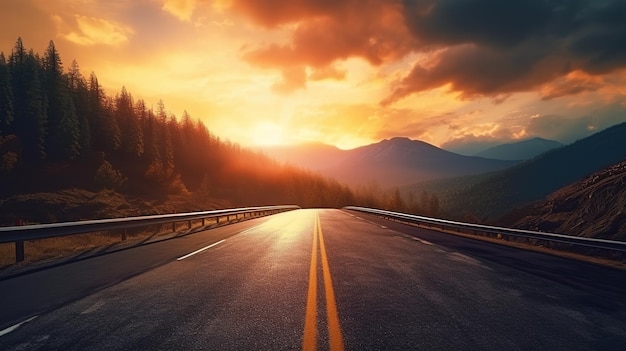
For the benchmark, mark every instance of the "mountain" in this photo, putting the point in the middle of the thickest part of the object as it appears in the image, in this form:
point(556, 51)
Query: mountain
point(592, 207)
point(495, 194)
point(391, 162)
point(521, 150)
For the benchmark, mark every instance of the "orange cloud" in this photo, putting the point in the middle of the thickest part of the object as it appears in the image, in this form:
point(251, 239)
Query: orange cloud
point(328, 72)
point(92, 31)
point(181, 9)
point(327, 31)
point(293, 78)
point(486, 48)
point(571, 84)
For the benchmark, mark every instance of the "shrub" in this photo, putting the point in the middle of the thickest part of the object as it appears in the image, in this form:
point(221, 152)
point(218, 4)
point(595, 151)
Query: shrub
point(108, 177)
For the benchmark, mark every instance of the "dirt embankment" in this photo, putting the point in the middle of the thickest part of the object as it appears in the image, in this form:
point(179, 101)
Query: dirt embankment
point(592, 207)
point(80, 204)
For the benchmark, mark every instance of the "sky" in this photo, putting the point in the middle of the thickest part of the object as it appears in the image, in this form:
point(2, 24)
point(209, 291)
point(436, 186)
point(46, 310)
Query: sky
point(460, 74)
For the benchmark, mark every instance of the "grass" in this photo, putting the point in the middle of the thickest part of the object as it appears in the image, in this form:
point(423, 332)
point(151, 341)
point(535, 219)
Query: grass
point(79, 204)
point(77, 246)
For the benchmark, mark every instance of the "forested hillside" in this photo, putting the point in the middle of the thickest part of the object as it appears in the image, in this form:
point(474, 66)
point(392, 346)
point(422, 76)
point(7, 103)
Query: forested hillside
point(60, 130)
point(490, 196)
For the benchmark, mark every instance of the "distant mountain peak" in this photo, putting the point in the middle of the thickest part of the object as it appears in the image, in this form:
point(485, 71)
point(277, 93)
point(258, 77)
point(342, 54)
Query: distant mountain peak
point(520, 150)
point(399, 139)
point(389, 162)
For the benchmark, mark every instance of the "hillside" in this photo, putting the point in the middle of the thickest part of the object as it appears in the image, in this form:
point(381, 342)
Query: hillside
point(63, 139)
point(391, 162)
point(493, 195)
point(521, 150)
point(592, 207)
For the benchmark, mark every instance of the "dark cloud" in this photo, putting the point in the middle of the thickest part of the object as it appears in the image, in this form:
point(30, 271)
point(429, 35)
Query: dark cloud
point(475, 71)
point(570, 86)
point(508, 46)
point(491, 23)
point(328, 31)
point(490, 47)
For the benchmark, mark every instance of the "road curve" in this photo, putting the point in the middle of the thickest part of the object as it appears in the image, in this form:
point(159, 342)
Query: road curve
point(316, 279)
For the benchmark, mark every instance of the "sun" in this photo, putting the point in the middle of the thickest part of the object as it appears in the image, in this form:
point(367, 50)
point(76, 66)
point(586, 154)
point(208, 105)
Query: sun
point(268, 134)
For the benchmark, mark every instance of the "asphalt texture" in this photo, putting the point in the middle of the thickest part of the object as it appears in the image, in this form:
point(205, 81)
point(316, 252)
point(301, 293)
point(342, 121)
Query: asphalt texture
point(264, 284)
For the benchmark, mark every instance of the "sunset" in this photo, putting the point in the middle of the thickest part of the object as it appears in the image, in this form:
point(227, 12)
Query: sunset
point(349, 73)
point(312, 175)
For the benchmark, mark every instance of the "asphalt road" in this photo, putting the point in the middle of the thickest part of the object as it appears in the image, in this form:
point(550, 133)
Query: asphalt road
point(316, 279)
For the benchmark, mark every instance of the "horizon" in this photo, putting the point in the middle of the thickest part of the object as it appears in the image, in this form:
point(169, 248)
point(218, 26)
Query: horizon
point(257, 74)
point(319, 143)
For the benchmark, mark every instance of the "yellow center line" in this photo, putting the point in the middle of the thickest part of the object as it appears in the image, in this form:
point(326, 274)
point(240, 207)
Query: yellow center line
point(310, 324)
point(334, 330)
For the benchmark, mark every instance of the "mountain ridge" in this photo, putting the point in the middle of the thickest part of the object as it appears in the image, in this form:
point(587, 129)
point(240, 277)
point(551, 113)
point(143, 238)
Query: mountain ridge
point(390, 162)
point(521, 150)
point(494, 195)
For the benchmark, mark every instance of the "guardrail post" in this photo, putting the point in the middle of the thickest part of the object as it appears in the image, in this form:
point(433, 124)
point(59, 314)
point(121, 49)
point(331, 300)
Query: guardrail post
point(189, 224)
point(203, 221)
point(19, 251)
point(217, 219)
point(173, 226)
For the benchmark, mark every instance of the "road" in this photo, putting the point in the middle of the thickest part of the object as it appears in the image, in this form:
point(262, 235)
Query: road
point(316, 279)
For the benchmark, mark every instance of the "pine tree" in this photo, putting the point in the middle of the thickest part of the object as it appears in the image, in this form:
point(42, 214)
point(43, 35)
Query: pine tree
point(130, 128)
point(166, 148)
point(149, 125)
point(6, 97)
point(80, 97)
point(63, 141)
point(104, 128)
point(29, 102)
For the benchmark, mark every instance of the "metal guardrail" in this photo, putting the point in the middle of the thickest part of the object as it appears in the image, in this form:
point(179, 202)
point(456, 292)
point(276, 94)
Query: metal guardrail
point(19, 234)
point(478, 228)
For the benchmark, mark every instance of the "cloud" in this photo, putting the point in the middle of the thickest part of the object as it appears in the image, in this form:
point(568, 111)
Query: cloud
point(92, 31)
point(328, 72)
point(484, 47)
point(475, 71)
point(274, 13)
point(471, 144)
point(568, 129)
point(501, 47)
point(293, 78)
point(410, 123)
point(328, 31)
point(574, 83)
point(181, 9)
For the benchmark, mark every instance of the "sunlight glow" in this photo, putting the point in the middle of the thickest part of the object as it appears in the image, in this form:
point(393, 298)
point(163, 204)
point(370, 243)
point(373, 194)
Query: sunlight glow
point(194, 55)
point(268, 134)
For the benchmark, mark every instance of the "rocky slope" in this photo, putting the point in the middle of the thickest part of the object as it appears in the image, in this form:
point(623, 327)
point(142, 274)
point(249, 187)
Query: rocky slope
point(592, 207)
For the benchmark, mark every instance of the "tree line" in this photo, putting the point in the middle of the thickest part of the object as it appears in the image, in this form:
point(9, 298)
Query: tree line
point(59, 129)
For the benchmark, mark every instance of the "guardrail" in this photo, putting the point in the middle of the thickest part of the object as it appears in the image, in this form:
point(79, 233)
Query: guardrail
point(610, 245)
point(20, 234)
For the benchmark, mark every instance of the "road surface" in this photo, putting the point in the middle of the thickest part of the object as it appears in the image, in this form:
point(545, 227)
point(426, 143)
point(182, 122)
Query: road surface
point(316, 279)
